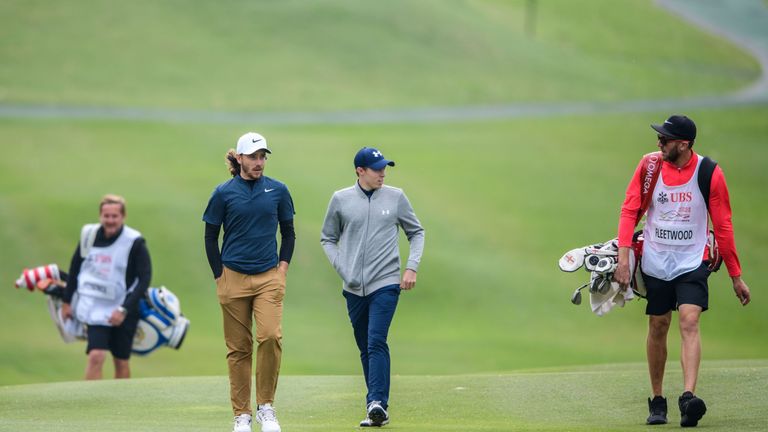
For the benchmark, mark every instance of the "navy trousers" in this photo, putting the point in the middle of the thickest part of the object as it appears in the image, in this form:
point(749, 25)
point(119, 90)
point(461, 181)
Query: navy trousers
point(371, 316)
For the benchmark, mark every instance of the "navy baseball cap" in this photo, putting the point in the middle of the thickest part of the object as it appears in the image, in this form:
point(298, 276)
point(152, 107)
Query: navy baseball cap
point(369, 157)
point(677, 126)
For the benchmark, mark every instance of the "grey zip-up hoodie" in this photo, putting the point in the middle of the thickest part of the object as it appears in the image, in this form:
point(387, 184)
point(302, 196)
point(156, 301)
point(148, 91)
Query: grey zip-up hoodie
point(360, 237)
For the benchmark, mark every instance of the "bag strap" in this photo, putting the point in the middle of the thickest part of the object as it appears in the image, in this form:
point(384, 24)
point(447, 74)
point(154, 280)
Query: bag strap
point(648, 178)
point(87, 238)
point(706, 169)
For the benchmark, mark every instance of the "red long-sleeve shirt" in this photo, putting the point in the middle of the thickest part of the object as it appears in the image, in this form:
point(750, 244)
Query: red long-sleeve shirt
point(719, 208)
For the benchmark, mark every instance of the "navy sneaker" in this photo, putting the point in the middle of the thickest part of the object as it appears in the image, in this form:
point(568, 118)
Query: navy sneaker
point(657, 407)
point(692, 409)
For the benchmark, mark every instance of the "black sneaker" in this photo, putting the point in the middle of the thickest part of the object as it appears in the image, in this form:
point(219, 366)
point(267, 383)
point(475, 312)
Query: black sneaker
point(692, 409)
point(657, 407)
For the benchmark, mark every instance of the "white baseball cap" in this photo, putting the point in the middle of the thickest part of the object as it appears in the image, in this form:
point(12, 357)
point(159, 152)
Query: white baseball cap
point(251, 142)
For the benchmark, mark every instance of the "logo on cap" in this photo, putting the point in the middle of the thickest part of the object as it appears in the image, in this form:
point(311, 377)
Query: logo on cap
point(678, 127)
point(369, 157)
point(251, 142)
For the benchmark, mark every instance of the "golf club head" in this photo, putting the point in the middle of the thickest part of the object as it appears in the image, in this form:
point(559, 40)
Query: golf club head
point(605, 285)
point(576, 297)
point(597, 284)
point(605, 264)
point(591, 261)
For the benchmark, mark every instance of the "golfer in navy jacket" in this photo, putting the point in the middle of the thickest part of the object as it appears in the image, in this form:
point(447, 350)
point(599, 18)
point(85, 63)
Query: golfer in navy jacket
point(250, 275)
point(359, 236)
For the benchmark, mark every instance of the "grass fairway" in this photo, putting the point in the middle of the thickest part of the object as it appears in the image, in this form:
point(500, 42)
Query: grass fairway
point(488, 340)
point(599, 398)
point(490, 297)
point(501, 201)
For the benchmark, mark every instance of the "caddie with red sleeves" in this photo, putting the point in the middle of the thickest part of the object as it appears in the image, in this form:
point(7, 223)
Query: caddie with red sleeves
point(678, 191)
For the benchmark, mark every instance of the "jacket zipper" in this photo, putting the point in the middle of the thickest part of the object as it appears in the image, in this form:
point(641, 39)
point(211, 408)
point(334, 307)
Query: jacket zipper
point(365, 241)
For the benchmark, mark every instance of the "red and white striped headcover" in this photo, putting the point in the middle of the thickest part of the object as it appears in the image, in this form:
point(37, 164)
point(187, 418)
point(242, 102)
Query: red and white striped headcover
point(30, 277)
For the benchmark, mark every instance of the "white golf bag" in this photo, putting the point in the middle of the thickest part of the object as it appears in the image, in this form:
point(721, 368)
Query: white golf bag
point(601, 260)
point(70, 329)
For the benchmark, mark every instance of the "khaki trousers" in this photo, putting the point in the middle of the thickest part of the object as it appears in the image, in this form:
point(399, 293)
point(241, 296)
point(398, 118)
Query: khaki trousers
point(243, 298)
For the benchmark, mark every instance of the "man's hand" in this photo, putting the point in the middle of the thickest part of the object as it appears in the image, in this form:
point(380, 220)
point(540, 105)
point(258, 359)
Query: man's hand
point(742, 290)
point(621, 275)
point(117, 317)
point(283, 267)
point(66, 311)
point(409, 279)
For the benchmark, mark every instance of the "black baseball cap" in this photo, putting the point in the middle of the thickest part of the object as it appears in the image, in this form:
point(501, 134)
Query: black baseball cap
point(678, 127)
point(369, 157)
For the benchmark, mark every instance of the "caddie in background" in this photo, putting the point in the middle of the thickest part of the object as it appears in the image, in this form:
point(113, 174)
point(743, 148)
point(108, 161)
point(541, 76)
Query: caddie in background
point(360, 238)
point(678, 188)
point(250, 274)
point(110, 271)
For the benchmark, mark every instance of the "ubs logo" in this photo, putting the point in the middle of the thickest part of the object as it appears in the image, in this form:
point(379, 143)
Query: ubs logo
point(662, 199)
point(681, 197)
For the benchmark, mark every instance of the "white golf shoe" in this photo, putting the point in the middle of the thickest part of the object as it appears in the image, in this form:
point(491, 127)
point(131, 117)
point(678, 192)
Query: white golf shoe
point(267, 418)
point(242, 423)
point(377, 416)
point(367, 422)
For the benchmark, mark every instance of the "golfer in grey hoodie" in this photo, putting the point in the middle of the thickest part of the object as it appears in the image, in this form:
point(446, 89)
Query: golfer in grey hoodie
point(359, 236)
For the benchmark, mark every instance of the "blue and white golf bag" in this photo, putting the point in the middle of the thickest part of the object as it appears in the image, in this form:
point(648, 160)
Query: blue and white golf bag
point(161, 323)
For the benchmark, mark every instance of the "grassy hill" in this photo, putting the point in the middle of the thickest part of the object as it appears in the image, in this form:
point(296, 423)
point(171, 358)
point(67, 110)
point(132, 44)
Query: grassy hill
point(341, 54)
point(501, 201)
point(607, 398)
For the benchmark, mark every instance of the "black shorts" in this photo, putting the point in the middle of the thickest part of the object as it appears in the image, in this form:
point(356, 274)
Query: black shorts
point(688, 288)
point(118, 340)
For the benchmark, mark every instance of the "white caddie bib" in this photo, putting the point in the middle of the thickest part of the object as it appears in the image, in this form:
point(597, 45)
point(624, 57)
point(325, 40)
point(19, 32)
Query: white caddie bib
point(101, 283)
point(676, 229)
